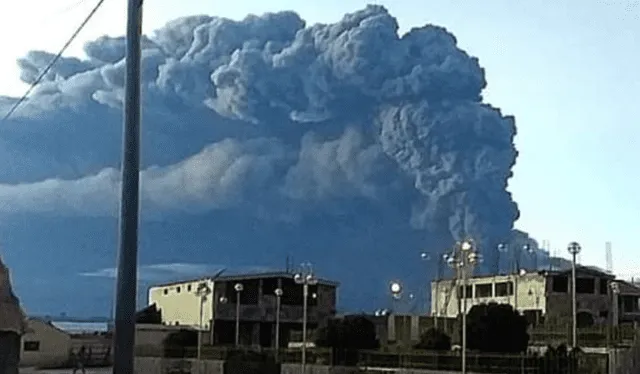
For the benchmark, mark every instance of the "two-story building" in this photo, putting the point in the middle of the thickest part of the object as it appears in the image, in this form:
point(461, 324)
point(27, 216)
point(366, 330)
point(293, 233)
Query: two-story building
point(181, 304)
point(540, 296)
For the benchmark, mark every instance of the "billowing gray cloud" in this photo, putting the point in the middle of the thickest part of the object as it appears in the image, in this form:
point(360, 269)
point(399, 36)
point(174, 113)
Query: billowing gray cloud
point(274, 118)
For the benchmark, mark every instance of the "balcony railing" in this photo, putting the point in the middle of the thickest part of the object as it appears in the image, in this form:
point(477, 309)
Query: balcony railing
point(261, 313)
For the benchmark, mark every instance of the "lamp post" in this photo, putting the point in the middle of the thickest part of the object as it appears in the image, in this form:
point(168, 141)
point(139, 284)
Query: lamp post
point(306, 278)
point(502, 248)
point(463, 259)
point(574, 249)
point(202, 292)
point(426, 257)
point(615, 288)
point(534, 255)
point(614, 318)
point(238, 288)
point(278, 292)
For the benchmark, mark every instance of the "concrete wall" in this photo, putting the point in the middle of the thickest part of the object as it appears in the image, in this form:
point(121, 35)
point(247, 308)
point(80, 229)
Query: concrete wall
point(44, 346)
point(154, 335)
point(559, 310)
point(148, 365)
point(318, 369)
point(9, 352)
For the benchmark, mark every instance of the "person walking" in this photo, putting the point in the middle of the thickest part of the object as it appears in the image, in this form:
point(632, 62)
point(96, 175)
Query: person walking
point(80, 360)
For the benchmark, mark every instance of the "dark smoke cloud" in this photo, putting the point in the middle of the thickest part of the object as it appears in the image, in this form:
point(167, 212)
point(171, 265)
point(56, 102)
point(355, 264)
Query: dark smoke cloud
point(277, 120)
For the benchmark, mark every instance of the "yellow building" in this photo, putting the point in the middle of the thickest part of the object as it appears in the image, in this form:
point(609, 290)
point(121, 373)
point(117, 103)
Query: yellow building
point(539, 296)
point(182, 305)
point(44, 345)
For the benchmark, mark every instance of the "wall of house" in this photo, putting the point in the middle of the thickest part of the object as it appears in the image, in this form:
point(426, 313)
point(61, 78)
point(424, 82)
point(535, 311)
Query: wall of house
point(526, 292)
point(180, 304)
point(44, 346)
point(597, 303)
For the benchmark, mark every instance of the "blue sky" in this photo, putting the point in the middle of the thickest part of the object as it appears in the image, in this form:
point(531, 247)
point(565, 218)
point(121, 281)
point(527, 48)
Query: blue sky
point(566, 70)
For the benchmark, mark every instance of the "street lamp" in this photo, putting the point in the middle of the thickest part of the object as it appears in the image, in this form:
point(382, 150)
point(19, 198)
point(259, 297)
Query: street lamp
point(426, 257)
point(502, 248)
point(534, 255)
point(202, 292)
point(615, 288)
point(306, 278)
point(574, 248)
point(278, 292)
point(238, 288)
point(463, 259)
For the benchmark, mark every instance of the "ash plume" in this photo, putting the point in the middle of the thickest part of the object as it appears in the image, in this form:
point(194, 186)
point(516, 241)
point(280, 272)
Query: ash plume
point(273, 120)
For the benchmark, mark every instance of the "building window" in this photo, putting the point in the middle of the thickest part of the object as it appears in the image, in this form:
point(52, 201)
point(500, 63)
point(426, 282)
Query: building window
point(586, 285)
point(504, 289)
point(166, 291)
point(189, 288)
point(31, 346)
point(604, 286)
point(560, 284)
point(468, 294)
point(484, 290)
point(178, 289)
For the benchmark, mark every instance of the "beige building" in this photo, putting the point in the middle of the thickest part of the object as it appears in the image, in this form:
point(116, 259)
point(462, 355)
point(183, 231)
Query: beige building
point(44, 345)
point(543, 296)
point(181, 305)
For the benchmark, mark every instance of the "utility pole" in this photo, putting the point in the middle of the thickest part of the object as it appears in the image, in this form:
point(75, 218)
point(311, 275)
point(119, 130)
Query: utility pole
point(127, 281)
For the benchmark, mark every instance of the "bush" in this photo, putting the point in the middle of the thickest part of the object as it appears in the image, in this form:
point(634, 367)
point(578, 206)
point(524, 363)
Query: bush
point(346, 336)
point(350, 332)
point(178, 344)
point(435, 340)
point(496, 328)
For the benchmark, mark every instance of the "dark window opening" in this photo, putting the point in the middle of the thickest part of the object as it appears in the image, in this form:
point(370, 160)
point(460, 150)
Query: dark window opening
point(166, 291)
point(484, 290)
point(585, 285)
point(249, 294)
point(604, 286)
point(560, 284)
point(629, 304)
point(31, 346)
point(469, 292)
point(504, 289)
point(189, 288)
point(178, 289)
point(269, 286)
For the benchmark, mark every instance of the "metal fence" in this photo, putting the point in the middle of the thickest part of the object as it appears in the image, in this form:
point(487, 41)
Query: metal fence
point(584, 363)
point(319, 356)
point(595, 336)
point(487, 363)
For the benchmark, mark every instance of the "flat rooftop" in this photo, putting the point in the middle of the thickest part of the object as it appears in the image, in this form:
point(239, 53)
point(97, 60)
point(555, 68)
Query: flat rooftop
point(248, 276)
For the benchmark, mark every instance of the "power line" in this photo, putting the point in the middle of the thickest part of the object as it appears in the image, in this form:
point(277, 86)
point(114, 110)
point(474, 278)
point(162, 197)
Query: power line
point(53, 61)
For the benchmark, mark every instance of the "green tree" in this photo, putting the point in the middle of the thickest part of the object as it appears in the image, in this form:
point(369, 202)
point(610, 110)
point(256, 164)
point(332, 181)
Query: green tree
point(180, 344)
point(350, 332)
point(345, 336)
point(435, 340)
point(496, 328)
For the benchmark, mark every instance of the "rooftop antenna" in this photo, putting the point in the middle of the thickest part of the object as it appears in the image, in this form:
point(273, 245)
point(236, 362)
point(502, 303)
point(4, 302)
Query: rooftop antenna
point(609, 260)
